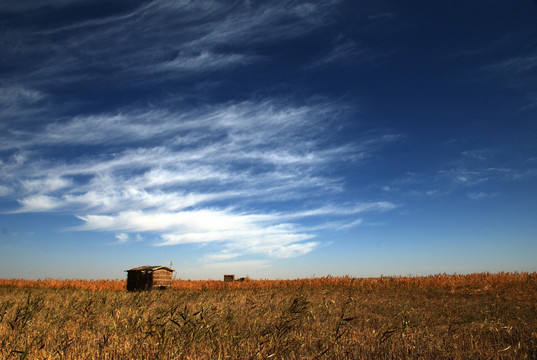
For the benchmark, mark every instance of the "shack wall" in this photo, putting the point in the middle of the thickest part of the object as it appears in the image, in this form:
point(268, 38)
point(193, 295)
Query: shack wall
point(162, 278)
point(139, 280)
point(149, 277)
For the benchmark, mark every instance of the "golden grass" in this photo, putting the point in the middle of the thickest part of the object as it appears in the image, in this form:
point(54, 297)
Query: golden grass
point(479, 316)
point(454, 281)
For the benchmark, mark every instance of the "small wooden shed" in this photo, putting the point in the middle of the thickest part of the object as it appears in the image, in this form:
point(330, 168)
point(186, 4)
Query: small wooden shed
point(149, 278)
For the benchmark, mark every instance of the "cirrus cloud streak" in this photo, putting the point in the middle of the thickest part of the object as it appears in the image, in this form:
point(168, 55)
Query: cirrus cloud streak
point(198, 176)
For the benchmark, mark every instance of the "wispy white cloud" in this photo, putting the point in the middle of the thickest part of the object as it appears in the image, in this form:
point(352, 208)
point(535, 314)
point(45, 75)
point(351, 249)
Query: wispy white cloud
point(45, 185)
point(5, 190)
point(293, 250)
point(197, 38)
point(240, 233)
point(19, 102)
point(516, 71)
point(189, 174)
point(205, 61)
point(122, 238)
point(475, 176)
point(350, 225)
point(346, 51)
point(346, 210)
point(480, 195)
point(18, 95)
point(472, 174)
point(195, 221)
point(97, 129)
point(195, 176)
point(266, 22)
point(38, 203)
point(482, 154)
point(243, 137)
point(515, 65)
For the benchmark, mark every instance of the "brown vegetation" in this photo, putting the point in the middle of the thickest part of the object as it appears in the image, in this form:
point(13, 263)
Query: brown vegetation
point(480, 316)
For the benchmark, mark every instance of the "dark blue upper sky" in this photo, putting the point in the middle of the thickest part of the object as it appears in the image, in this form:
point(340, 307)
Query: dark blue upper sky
point(273, 139)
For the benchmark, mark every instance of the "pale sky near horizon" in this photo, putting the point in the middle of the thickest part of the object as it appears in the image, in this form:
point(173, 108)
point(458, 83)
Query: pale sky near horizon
point(277, 139)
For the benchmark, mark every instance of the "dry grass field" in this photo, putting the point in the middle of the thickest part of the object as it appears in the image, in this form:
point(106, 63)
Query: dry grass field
point(479, 316)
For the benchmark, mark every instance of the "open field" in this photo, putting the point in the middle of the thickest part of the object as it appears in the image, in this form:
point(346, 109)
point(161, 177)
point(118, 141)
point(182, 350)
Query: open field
point(479, 316)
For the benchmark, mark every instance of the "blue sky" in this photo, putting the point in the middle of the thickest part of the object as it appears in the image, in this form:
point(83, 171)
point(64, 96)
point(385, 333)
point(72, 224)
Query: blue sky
point(275, 139)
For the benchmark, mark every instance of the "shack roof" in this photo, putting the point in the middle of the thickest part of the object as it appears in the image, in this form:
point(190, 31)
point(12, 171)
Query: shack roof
point(150, 268)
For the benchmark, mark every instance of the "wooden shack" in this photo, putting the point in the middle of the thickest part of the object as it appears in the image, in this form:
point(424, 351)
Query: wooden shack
point(149, 278)
point(231, 278)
